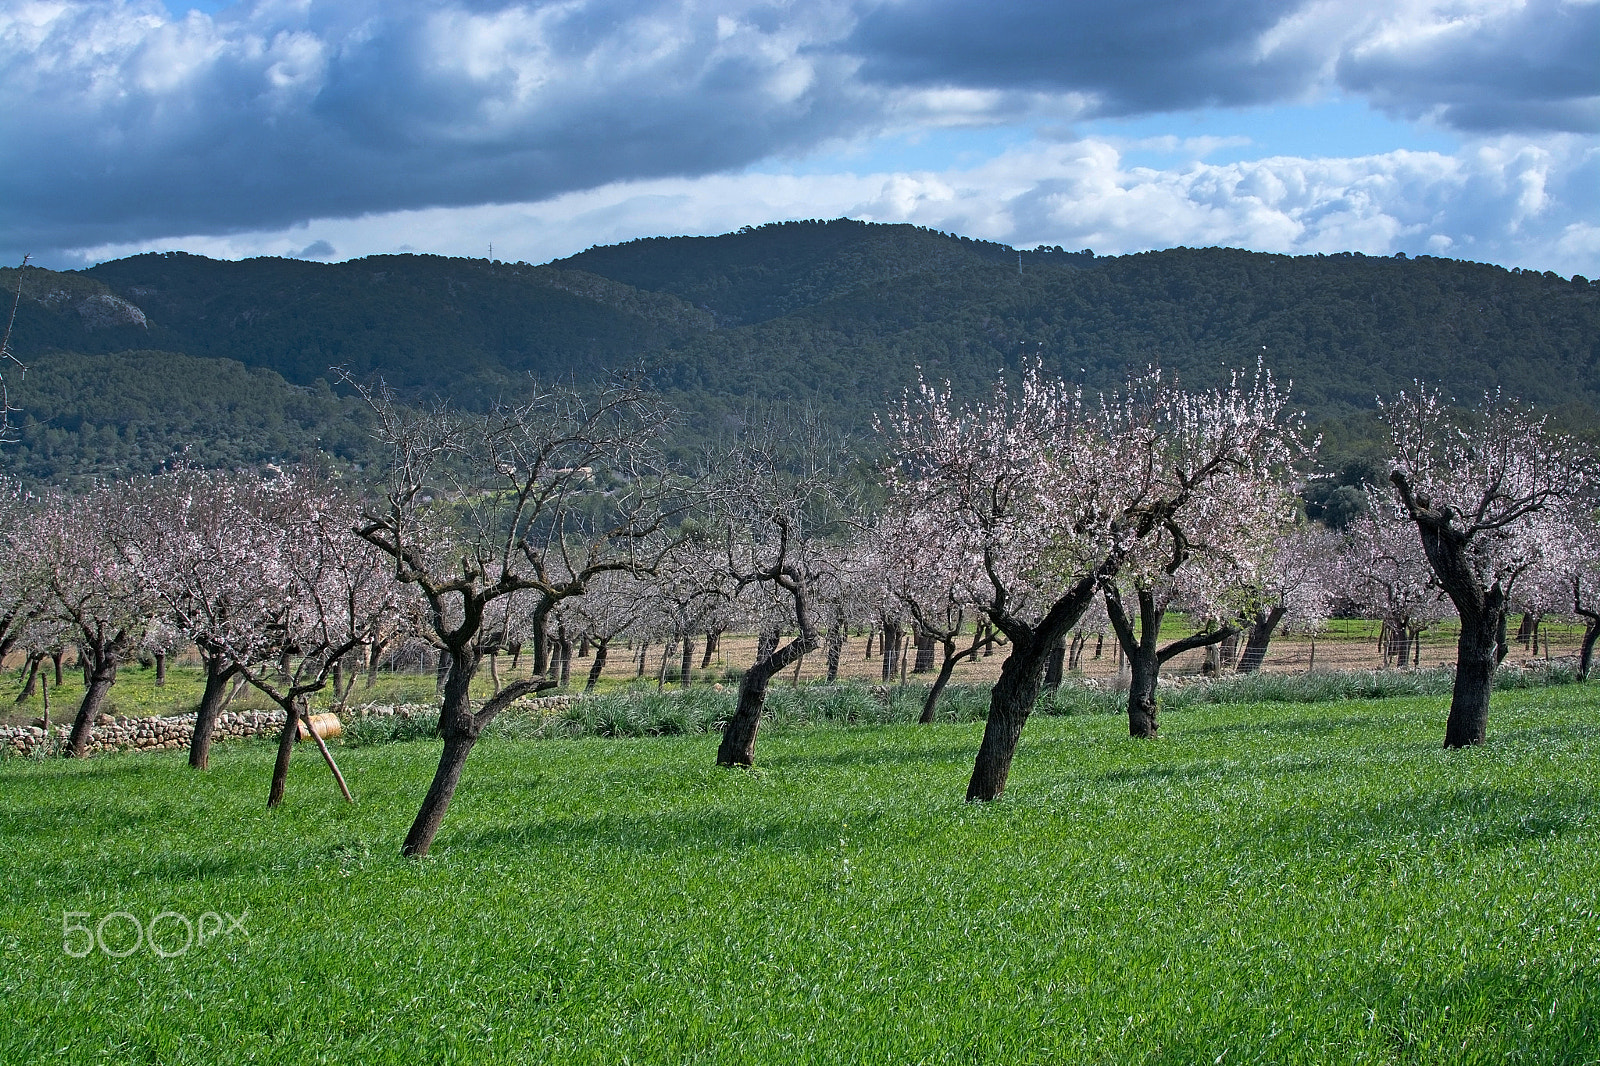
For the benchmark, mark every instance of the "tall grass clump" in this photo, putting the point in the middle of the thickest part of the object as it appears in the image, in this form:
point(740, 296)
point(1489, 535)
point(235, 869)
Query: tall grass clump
point(648, 711)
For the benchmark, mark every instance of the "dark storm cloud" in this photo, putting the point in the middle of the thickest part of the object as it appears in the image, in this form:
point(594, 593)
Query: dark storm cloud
point(1130, 55)
point(1532, 66)
point(1484, 67)
point(159, 127)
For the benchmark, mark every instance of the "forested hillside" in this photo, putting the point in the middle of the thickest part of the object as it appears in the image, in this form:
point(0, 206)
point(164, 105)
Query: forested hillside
point(836, 316)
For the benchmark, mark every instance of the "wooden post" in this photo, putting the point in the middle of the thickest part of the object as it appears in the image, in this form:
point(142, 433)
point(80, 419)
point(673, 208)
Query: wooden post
point(327, 756)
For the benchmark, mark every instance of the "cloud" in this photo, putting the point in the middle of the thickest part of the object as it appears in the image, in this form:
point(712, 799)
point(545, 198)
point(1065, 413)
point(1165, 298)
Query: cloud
point(1504, 203)
point(1496, 69)
point(121, 124)
point(1475, 65)
point(1132, 56)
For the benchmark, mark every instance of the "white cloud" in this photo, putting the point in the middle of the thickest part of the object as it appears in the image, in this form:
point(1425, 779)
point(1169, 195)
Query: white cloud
point(1491, 202)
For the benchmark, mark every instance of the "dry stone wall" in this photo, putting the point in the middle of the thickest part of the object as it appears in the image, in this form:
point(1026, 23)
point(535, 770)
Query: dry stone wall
point(173, 734)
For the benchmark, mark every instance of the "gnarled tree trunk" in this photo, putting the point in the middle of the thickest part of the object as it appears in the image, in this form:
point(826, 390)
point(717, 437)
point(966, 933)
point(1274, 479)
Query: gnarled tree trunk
point(1478, 652)
point(738, 746)
point(1017, 689)
point(219, 672)
point(1262, 627)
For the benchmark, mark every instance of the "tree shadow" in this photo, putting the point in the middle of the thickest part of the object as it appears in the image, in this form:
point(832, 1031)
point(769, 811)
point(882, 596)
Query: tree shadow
point(1482, 816)
point(670, 834)
point(1286, 727)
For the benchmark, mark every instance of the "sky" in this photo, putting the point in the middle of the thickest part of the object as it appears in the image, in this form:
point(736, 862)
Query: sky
point(530, 131)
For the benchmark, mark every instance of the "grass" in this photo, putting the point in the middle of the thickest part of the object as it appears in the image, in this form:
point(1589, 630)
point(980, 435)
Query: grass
point(1273, 882)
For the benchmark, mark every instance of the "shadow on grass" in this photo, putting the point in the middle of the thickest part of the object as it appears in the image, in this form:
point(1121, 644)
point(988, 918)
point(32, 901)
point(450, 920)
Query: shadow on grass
point(712, 831)
point(1487, 1013)
point(1478, 816)
point(1287, 727)
point(897, 756)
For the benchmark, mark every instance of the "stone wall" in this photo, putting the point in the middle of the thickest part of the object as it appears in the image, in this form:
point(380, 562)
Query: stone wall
point(173, 734)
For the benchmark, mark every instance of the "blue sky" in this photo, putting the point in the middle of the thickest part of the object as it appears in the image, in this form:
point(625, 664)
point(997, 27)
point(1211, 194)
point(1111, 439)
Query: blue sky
point(1467, 128)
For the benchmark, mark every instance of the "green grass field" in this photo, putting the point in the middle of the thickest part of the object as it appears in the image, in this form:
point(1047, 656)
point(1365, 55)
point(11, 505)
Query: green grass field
point(1273, 882)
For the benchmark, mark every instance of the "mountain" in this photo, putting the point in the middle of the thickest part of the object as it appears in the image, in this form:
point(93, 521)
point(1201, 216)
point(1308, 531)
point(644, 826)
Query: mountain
point(836, 316)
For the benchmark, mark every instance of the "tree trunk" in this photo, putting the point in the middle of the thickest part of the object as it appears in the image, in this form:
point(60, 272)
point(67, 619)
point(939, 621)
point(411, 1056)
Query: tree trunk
point(924, 660)
point(889, 650)
point(280, 768)
point(687, 665)
point(161, 669)
point(1010, 702)
point(218, 673)
point(460, 731)
point(1228, 651)
point(1146, 656)
point(1591, 630)
point(738, 746)
point(34, 660)
point(871, 635)
point(712, 637)
point(644, 650)
point(946, 669)
point(1477, 655)
point(1255, 646)
point(1144, 672)
point(374, 658)
point(564, 649)
point(1012, 698)
point(101, 678)
point(1055, 663)
point(599, 663)
point(835, 650)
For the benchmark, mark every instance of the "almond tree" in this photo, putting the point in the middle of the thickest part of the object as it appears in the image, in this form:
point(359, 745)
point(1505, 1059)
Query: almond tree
point(1214, 470)
point(1022, 487)
point(1049, 495)
point(22, 586)
point(937, 588)
point(611, 605)
point(689, 594)
point(209, 542)
point(1582, 573)
point(1290, 585)
point(539, 496)
point(102, 593)
point(1490, 492)
point(778, 502)
point(326, 588)
point(1381, 570)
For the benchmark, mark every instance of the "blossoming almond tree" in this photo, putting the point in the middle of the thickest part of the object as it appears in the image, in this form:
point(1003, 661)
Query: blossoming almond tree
point(1382, 571)
point(1212, 472)
point(1291, 585)
point(936, 586)
point(1491, 493)
point(102, 594)
point(1050, 495)
point(205, 540)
